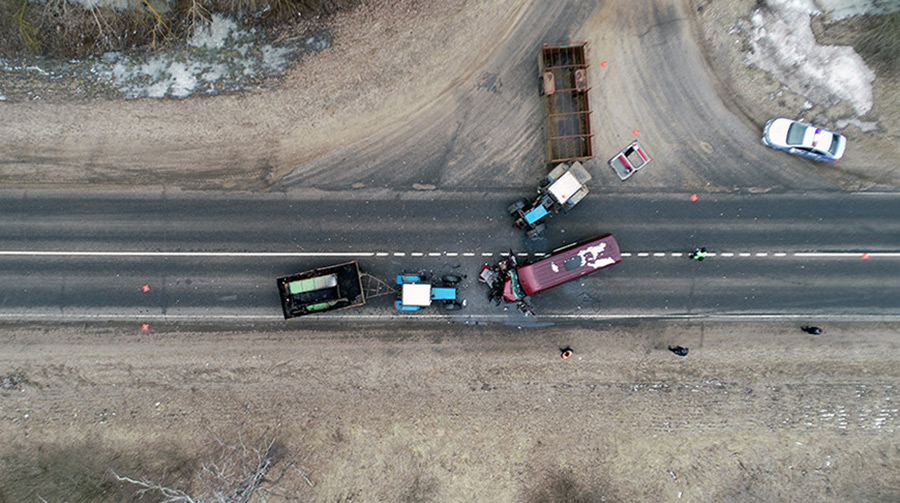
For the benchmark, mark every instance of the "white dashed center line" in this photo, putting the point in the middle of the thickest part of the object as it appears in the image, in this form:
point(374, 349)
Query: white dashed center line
point(55, 253)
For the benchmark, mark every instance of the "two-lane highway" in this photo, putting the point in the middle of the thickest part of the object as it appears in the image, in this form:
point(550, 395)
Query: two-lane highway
point(215, 258)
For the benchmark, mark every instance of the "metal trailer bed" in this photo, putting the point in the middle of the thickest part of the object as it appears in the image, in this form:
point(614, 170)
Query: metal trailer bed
point(322, 289)
point(563, 74)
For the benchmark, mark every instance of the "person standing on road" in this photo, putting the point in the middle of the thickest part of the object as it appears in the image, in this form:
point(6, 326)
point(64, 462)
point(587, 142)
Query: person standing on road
point(699, 254)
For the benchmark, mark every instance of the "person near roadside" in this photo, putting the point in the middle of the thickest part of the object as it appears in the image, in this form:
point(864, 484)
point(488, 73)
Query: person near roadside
point(679, 350)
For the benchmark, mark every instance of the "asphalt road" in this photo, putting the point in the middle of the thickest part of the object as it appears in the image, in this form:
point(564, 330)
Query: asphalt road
point(211, 258)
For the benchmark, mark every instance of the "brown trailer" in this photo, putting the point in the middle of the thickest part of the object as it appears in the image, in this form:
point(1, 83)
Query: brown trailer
point(563, 74)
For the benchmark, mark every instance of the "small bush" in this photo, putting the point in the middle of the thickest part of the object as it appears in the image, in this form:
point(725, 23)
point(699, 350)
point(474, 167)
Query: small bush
point(563, 486)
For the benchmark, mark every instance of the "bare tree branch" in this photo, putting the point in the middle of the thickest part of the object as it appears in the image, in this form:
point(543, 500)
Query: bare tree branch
point(235, 475)
point(171, 495)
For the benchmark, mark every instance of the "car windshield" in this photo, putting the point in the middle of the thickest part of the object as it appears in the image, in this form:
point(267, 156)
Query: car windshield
point(835, 144)
point(517, 291)
point(796, 133)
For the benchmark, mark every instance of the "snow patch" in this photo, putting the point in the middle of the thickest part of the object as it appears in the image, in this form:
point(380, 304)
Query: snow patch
point(159, 5)
point(219, 56)
point(594, 258)
point(782, 44)
point(843, 9)
point(214, 34)
point(863, 126)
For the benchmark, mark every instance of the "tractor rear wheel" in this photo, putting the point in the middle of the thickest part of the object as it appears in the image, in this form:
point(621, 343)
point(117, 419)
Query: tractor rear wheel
point(515, 207)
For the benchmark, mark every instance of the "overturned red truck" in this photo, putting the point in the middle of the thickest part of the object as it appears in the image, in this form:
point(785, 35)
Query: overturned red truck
point(511, 282)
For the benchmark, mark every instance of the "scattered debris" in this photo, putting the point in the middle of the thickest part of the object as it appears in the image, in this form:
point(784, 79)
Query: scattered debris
point(12, 381)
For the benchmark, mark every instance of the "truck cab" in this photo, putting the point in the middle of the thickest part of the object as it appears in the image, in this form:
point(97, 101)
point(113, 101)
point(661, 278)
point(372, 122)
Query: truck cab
point(563, 188)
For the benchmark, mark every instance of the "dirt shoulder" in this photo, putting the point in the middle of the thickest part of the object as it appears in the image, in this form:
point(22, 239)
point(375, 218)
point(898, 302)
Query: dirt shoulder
point(754, 412)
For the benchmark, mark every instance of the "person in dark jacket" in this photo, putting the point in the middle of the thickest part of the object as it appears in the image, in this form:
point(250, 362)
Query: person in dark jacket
point(678, 350)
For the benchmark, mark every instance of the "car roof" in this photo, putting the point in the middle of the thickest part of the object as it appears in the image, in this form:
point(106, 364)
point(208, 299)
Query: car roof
point(565, 187)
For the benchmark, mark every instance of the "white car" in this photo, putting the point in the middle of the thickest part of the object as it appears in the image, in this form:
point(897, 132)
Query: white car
point(799, 138)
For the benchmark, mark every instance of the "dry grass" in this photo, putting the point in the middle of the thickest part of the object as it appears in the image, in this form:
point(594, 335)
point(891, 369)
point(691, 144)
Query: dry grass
point(881, 43)
point(27, 31)
point(404, 417)
point(65, 29)
point(77, 471)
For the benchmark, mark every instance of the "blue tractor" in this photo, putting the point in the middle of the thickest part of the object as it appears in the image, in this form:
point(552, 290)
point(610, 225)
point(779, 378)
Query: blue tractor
point(416, 293)
point(563, 188)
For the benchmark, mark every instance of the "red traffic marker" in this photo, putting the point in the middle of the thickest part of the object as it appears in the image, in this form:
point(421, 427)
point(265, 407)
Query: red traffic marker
point(636, 132)
point(603, 63)
point(865, 256)
point(145, 327)
point(694, 197)
point(145, 288)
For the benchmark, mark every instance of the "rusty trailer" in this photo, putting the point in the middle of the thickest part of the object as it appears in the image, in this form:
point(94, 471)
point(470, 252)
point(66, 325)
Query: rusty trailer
point(564, 85)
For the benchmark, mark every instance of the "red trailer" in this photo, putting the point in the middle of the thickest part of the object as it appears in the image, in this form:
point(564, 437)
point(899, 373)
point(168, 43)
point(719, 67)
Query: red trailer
point(563, 265)
point(563, 73)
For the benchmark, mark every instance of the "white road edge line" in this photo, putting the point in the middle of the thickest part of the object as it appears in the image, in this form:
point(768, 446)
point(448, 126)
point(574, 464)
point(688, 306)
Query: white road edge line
point(61, 253)
point(40, 253)
point(858, 255)
point(148, 318)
